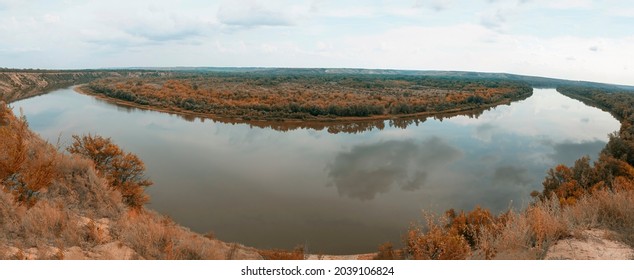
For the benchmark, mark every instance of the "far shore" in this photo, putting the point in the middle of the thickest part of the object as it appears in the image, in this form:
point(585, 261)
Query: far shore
point(320, 121)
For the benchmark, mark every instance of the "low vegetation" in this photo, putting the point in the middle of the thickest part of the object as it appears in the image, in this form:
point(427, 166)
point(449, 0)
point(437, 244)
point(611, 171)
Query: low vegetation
point(123, 171)
point(526, 234)
point(24, 169)
point(278, 254)
point(252, 96)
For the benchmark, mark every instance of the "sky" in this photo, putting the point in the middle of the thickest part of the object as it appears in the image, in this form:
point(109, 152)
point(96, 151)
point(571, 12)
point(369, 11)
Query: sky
point(579, 40)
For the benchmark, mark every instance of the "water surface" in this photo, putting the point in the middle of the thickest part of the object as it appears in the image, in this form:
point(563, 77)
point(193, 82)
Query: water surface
point(333, 193)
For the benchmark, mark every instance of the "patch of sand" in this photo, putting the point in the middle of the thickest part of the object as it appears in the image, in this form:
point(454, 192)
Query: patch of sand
point(593, 244)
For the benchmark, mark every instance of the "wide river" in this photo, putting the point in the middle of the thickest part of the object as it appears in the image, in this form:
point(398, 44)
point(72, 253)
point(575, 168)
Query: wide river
point(332, 193)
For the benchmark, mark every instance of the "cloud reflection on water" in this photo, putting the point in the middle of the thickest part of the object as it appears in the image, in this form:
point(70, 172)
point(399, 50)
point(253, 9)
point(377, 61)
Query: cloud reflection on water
point(370, 169)
point(568, 152)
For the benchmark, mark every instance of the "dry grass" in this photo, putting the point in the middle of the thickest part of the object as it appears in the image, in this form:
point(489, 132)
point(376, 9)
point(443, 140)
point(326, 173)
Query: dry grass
point(523, 235)
point(607, 210)
point(436, 242)
point(276, 254)
point(527, 234)
point(8, 213)
point(156, 237)
point(45, 224)
point(80, 189)
point(387, 252)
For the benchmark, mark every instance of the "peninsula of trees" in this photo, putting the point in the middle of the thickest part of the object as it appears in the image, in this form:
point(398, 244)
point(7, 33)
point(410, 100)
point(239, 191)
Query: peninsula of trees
point(308, 96)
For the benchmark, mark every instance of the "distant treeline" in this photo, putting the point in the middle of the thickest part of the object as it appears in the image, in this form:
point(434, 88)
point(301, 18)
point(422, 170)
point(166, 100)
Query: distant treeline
point(263, 96)
point(616, 101)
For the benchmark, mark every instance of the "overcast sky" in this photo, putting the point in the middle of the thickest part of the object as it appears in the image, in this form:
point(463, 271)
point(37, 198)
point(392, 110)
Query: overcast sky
point(581, 39)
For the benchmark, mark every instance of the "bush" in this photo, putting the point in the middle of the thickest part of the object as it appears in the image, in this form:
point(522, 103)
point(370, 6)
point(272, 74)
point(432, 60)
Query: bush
point(124, 171)
point(470, 225)
point(25, 168)
point(437, 243)
point(387, 252)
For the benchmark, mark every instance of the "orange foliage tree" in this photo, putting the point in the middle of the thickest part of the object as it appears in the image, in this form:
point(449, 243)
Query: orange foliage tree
point(124, 171)
point(569, 184)
point(25, 168)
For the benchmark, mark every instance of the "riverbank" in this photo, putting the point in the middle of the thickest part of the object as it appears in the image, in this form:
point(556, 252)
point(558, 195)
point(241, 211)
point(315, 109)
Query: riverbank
point(21, 84)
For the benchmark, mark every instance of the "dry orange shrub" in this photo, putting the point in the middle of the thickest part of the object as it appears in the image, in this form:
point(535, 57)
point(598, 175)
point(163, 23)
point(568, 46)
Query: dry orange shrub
point(124, 171)
point(24, 169)
point(436, 242)
point(387, 252)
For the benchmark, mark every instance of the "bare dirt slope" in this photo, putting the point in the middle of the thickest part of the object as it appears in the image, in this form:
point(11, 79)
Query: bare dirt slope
point(107, 245)
point(592, 244)
point(18, 84)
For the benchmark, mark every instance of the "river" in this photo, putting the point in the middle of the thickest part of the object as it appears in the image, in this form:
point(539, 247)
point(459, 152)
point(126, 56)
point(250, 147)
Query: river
point(337, 193)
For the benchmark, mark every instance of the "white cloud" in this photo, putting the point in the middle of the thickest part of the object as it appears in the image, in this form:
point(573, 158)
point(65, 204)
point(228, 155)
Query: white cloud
point(49, 18)
point(568, 4)
point(494, 21)
point(250, 13)
point(620, 12)
point(436, 5)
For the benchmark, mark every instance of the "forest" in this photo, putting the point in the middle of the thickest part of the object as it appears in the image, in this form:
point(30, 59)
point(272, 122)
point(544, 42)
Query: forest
point(271, 97)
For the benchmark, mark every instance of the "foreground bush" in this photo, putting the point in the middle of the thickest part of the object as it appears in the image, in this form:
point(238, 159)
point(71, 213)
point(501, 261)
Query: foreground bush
point(526, 234)
point(436, 243)
point(24, 169)
point(124, 171)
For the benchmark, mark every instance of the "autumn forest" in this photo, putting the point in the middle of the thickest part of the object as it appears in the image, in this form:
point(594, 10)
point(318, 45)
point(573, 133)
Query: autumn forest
point(254, 96)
